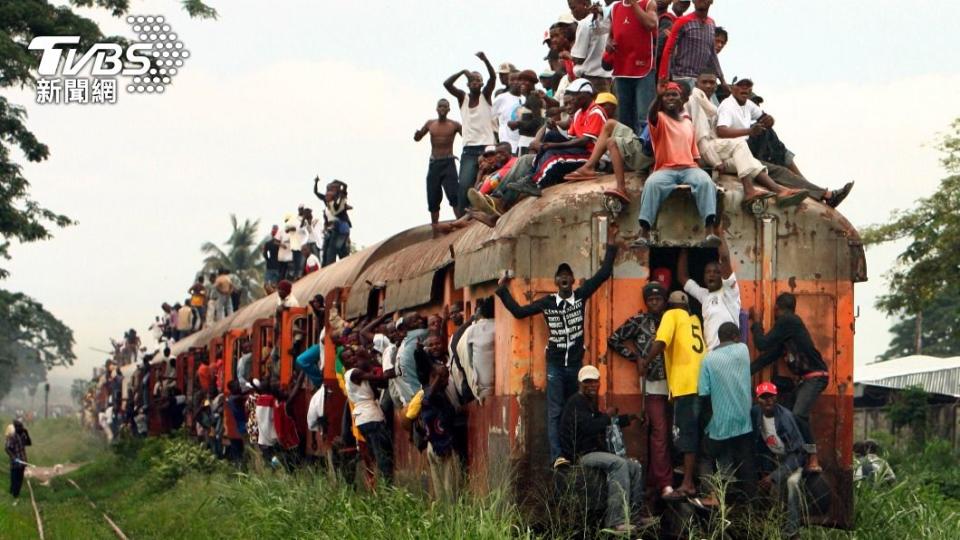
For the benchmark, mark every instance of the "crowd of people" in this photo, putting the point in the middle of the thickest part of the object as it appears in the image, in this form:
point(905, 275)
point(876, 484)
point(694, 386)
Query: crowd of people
point(631, 85)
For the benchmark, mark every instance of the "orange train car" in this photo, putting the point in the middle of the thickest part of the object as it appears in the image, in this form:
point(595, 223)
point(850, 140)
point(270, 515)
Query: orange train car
point(810, 250)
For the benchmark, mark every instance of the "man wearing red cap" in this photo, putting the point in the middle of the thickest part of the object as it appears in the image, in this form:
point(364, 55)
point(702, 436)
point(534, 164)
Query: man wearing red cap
point(780, 449)
point(675, 150)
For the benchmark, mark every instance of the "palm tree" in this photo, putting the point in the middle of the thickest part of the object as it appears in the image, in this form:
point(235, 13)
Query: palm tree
point(241, 256)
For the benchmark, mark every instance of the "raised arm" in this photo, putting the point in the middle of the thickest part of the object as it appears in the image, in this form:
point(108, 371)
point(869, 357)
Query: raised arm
point(515, 309)
point(683, 267)
point(367, 330)
point(726, 266)
point(648, 16)
point(454, 91)
point(591, 285)
point(491, 77)
point(653, 115)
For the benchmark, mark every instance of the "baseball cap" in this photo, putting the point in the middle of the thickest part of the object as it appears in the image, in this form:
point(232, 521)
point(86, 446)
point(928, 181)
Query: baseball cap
point(580, 86)
point(506, 67)
point(563, 267)
point(566, 18)
point(742, 81)
point(678, 297)
point(606, 97)
point(652, 289)
point(766, 388)
point(663, 275)
point(491, 149)
point(587, 373)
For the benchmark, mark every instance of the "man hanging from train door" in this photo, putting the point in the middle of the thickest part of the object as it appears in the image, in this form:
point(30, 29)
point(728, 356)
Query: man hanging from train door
point(564, 314)
point(720, 298)
point(790, 335)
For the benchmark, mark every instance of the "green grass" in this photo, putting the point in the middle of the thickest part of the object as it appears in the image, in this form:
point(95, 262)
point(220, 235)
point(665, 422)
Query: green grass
point(167, 488)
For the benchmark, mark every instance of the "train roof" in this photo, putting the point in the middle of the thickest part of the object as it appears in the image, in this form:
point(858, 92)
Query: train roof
point(406, 263)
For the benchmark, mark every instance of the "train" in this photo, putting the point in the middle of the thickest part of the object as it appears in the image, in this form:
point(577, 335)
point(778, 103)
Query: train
point(810, 250)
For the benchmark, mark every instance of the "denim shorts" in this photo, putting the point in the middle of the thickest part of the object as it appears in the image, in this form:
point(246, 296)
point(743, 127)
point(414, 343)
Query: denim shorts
point(272, 275)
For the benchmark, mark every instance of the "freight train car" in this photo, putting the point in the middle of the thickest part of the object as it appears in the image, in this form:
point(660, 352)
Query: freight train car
point(809, 250)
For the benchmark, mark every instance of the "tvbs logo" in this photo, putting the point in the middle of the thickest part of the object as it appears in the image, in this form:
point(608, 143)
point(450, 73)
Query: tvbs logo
point(108, 58)
point(148, 64)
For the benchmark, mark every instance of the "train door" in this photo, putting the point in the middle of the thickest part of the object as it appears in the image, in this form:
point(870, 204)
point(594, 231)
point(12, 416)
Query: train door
point(233, 344)
point(262, 344)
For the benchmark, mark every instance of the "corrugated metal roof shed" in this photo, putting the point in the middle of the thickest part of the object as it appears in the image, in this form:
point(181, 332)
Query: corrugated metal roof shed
point(934, 375)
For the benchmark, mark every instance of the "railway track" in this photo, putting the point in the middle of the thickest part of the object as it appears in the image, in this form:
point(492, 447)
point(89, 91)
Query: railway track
point(36, 511)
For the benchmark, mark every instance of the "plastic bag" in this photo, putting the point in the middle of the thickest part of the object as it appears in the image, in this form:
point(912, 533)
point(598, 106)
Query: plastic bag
point(615, 443)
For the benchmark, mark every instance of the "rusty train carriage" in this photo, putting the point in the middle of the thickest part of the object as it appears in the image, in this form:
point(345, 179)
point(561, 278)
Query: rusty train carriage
point(810, 250)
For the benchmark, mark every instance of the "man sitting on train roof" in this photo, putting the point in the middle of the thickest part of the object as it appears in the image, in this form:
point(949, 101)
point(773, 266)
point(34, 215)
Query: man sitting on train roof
point(732, 155)
point(563, 314)
point(560, 153)
point(739, 119)
point(720, 295)
point(621, 144)
point(583, 431)
point(676, 163)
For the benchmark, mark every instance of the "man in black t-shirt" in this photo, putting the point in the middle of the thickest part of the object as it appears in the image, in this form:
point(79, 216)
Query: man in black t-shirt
point(271, 248)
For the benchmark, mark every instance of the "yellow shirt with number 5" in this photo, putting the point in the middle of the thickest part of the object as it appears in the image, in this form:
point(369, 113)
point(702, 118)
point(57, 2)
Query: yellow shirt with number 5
point(683, 335)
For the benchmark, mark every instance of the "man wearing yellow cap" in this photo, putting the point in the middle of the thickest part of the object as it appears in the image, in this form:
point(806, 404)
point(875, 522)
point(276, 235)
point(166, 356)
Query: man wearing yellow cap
point(621, 143)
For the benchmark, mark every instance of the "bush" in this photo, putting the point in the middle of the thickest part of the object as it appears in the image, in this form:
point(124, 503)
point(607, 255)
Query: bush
point(176, 458)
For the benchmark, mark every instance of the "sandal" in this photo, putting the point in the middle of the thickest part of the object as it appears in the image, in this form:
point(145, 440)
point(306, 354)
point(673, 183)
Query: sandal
point(678, 495)
point(577, 176)
point(759, 195)
point(792, 197)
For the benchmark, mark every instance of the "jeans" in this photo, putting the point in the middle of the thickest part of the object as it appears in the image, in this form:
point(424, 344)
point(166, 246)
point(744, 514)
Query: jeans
point(624, 485)
point(659, 469)
point(296, 269)
point(806, 395)
point(561, 384)
point(16, 480)
point(735, 457)
point(223, 307)
point(378, 441)
point(792, 495)
point(787, 178)
point(335, 244)
point(469, 164)
point(634, 96)
point(661, 184)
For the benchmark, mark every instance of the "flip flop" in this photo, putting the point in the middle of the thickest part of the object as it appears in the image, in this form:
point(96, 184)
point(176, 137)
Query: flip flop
point(759, 196)
point(792, 199)
point(577, 176)
point(678, 495)
point(617, 194)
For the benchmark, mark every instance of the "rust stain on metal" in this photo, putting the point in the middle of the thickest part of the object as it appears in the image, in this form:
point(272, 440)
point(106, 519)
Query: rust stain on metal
point(792, 282)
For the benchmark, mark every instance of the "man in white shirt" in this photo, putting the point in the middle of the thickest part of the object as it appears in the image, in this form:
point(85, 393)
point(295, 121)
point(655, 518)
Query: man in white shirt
point(284, 254)
point(732, 155)
point(593, 29)
point(504, 110)
point(367, 415)
point(720, 298)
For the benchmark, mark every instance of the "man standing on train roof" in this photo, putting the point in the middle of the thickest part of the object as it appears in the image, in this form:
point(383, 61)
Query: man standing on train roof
point(564, 314)
point(690, 48)
point(285, 297)
point(790, 336)
point(676, 163)
point(476, 113)
point(720, 295)
point(442, 171)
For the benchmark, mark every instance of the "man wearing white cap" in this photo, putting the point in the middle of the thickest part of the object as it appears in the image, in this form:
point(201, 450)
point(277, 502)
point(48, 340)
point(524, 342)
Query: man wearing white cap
point(583, 431)
point(560, 154)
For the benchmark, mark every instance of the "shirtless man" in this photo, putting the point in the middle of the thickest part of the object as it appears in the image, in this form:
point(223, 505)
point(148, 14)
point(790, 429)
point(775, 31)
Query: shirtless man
point(442, 173)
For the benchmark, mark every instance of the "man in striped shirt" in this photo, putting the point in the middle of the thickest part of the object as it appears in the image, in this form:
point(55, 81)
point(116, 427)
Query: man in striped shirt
point(690, 49)
point(725, 381)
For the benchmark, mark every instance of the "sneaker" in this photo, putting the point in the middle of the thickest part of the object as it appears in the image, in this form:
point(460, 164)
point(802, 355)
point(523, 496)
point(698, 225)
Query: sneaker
point(527, 186)
point(561, 462)
point(839, 195)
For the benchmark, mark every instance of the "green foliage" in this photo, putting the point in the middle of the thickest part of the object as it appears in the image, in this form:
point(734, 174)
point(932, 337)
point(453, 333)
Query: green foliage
point(909, 408)
point(241, 256)
point(32, 341)
point(177, 458)
point(926, 270)
point(940, 330)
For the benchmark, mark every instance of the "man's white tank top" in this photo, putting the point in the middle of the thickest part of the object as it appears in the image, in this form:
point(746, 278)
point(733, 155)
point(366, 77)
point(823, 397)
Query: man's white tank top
point(477, 122)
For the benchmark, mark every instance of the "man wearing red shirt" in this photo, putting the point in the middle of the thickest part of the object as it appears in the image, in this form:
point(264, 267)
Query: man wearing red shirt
point(675, 149)
point(632, 42)
point(561, 154)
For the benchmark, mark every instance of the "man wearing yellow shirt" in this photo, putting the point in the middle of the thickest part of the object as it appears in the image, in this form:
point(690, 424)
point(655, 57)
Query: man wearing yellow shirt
point(680, 339)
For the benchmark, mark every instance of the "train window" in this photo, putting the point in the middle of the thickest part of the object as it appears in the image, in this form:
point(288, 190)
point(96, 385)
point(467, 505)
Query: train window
point(697, 259)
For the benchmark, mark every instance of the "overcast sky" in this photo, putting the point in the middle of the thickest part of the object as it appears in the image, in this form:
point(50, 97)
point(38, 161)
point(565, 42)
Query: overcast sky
point(275, 93)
